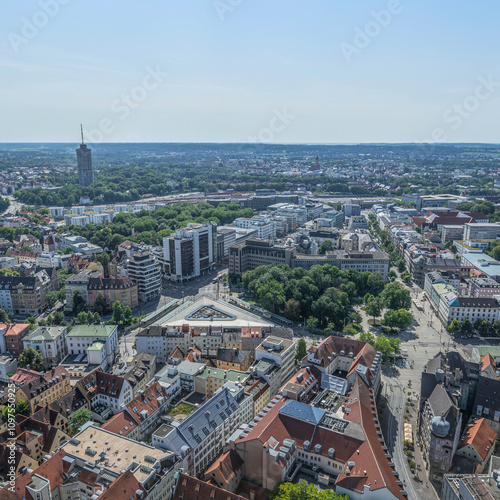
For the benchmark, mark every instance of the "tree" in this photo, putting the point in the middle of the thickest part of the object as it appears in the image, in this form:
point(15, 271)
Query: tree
point(374, 307)
point(101, 304)
point(31, 357)
point(396, 296)
point(4, 317)
point(406, 276)
point(272, 296)
point(118, 313)
point(392, 274)
point(301, 349)
point(312, 324)
point(355, 317)
point(454, 326)
point(68, 251)
point(22, 408)
point(467, 326)
point(292, 309)
point(79, 418)
point(399, 319)
point(302, 491)
point(350, 329)
point(326, 246)
point(78, 302)
point(82, 318)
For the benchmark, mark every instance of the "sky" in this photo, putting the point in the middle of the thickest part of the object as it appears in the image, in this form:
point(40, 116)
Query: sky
point(277, 71)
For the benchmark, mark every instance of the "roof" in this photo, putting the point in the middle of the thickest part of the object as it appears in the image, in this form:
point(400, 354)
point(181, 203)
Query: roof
point(232, 355)
point(45, 333)
point(487, 361)
point(209, 416)
point(99, 382)
point(189, 487)
point(92, 331)
point(229, 375)
point(125, 486)
point(14, 328)
point(480, 435)
point(302, 411)
point(227, 466)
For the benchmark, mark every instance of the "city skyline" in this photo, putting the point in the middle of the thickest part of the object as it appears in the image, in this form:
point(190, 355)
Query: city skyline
point(236, 72)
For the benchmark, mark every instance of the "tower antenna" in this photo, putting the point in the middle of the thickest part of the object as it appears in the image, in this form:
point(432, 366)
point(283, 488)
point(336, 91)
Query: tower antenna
point(81, 128)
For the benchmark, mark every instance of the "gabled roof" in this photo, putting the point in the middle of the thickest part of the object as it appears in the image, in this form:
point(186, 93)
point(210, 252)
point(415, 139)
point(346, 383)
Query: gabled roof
point(227, 465)
point(189, 487)
point(487, 362)
point(480, 435)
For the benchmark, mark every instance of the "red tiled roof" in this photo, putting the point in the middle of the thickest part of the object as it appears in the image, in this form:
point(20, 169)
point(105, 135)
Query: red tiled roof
point(122, 423)
point(488, 361)
point(227, 465)
point(192, 488)
point(15, 328)
point(126, 487)
point(480, 435)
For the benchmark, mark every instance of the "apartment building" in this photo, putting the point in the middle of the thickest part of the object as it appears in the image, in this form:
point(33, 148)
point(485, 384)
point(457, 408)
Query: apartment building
point(265, 226)
point(11, 338)
point(82, 337)
point(190, 252)
point(483, 287)
point(280, 351)
point(38, 389)
point(199, 439)
point(140, 417)
point(123, 290)
point(233, 359)
point(79, 282)
point(50, 341)
point(105, 393)
point(209, 380)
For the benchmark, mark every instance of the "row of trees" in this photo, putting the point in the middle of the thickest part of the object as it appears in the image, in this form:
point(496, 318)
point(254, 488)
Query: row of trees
point(482, 326)
point(387, 346)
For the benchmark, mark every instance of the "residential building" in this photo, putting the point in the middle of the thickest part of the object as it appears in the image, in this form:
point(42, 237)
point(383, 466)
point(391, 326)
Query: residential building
point(11, 338)
point(190, 252)
point(28, 294)
point(140, 417)
point(233, 359)
point(5, 295)
point(281, 352)
point(123, 290)
point(141, 370)
point(38, 389)
point(226, 472)
point(33, 437)
point(199, 439)
point(191, 487)
point(350, 209)
point(209, 380)
point(227, 238)
point(82, 337)
point(254, 252)
point(50, 341)
point(470, 486)
point(353, 357)
point(478, 443)
point(265, 226)
point(105, 393)
point(260, 392)
point(79, 282)
point(144, 269)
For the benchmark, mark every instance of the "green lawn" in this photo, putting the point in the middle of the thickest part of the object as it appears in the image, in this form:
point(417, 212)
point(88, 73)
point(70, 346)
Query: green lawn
point(182, 409)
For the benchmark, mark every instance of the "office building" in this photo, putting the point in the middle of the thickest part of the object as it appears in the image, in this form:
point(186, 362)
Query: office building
point(84, 164)
point(145, 270)
point(254, 252)
point(190, 252)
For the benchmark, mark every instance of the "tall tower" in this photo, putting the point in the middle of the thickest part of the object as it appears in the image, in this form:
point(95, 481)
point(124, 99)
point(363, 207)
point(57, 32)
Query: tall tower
point(84, 164)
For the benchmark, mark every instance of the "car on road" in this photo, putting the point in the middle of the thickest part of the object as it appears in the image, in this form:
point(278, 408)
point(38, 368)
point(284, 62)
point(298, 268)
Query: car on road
point(122, 364)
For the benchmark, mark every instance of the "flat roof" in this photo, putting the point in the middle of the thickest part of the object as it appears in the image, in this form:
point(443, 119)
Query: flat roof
point(228, 375)
point(120, 454)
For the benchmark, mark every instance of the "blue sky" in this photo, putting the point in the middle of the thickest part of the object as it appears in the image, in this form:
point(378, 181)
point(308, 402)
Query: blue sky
point(240, 70)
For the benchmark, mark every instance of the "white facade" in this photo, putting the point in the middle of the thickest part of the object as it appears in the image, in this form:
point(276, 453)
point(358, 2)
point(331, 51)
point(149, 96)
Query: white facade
point(281, 351)
point(145, 270)
point(82, 337)
point(56, 212)
point(50, 341)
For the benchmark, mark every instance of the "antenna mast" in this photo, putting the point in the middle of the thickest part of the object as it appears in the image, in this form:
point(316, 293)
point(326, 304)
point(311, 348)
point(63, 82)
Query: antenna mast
point(81, 128)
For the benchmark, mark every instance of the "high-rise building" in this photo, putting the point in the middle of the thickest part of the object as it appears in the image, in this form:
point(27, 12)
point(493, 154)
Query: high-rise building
point(84, 164)
point(190, 252)
point(144, 269)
